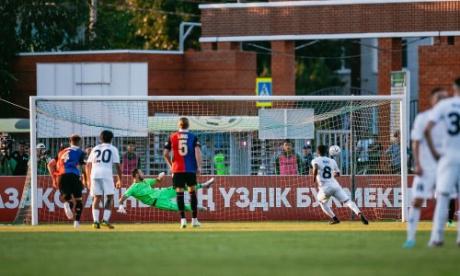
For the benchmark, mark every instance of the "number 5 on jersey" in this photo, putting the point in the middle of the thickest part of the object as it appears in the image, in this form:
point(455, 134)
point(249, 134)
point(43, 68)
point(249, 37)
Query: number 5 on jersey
point(183, 147)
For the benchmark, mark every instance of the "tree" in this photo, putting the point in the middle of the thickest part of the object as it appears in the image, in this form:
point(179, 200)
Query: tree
point(157, 22)
point(8, 44)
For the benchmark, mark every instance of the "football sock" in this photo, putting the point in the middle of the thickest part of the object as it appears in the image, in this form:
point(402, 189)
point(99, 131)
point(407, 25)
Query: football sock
point(95, 214)
point(106, 215)
point(451, 210)
point(194, 204)
point(78, 209)
point(439, 218)
point(181, 203)
point(327, 209)
point(414, 218)
point(350, 204)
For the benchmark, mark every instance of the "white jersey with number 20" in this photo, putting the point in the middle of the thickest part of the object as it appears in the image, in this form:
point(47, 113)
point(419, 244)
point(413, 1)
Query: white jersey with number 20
point(102, 157)
point(326, 169)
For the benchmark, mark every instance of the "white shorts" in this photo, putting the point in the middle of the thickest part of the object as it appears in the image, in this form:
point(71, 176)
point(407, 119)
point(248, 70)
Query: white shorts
point(448, 177)
point(102, 186)
point(423, 186)
point(334, 189)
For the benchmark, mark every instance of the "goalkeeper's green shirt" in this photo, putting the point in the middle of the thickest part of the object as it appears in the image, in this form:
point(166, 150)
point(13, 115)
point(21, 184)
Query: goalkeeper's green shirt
point(143, 191)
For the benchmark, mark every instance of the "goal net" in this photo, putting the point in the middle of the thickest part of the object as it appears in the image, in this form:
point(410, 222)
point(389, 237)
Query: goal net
point(258, 149)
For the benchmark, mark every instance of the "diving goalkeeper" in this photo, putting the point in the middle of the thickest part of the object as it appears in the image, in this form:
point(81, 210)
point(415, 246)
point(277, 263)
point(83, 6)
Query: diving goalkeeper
point(142, 189)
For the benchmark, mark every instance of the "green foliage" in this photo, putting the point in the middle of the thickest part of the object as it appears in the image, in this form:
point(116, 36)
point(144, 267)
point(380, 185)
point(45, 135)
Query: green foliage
point(315, 68)
point(8, 44)
point(157, 22)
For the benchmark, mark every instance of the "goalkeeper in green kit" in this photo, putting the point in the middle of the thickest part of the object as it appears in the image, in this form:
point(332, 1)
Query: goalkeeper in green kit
point(161, 198)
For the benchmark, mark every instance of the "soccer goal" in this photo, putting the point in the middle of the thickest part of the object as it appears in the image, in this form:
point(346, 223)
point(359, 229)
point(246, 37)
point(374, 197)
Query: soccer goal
point(258, 149)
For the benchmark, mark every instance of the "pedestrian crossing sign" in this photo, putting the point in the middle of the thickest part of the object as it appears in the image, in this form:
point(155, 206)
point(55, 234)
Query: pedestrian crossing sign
point(264, 88)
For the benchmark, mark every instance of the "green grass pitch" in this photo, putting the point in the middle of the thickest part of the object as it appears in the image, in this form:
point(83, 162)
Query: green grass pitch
point(271, 248)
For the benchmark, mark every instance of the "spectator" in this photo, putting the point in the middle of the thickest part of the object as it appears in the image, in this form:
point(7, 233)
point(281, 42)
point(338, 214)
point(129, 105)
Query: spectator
point(394, 153)
point(7, 162)
point(375, 151)
point(219, 163)
point(43, 159)
point(307, 157)
point(22, 159)
point(288, 162)
point(130, 160)
point(362, 149)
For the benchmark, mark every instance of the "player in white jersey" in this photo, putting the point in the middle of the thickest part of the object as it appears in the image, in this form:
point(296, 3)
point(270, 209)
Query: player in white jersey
point(424, 181)
point(99, 166)
point(446, 112)
point(325, 170)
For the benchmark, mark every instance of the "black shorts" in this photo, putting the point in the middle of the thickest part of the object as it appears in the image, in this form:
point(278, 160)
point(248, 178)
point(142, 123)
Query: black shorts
point(70, 184)
point(180, 180)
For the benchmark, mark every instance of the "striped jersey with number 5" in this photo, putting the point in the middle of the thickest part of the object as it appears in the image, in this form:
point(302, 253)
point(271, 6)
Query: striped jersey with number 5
point(182, 144)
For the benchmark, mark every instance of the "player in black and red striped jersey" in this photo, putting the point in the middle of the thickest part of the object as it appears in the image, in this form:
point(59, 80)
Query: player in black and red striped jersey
point(184, 165)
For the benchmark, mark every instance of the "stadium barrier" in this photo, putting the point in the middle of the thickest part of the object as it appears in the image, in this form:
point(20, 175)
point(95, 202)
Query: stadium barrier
point(232, 198)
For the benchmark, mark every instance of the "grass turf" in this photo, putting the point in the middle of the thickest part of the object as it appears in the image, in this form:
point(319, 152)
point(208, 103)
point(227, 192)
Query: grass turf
point(224, 249)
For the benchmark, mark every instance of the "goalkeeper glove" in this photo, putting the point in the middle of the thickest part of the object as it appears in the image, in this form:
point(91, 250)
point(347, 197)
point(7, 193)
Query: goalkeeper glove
point(121, 209)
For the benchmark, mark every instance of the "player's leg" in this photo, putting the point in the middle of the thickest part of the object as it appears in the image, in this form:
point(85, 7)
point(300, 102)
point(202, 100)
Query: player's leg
point(323, 199)
point(445, 181)
point(166, 204)
point(77, 194)
point(191, 183)
point(179, 185)
point(65, 187)
point(422, 188)
point(96, 193)
point(452, 210)
point(340, 194)
point(109, 191)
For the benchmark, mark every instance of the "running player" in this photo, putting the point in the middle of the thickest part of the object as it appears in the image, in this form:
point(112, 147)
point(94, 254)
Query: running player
point(424, 181)
point(143, 190)
point(325, 170)
point(185, 165)
point(100, 168)
point(66, 175)
point(446, 112)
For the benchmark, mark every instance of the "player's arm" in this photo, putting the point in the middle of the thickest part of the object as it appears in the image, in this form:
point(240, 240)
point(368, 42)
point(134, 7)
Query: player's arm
point(155, 181)
point(84, 178)
point(417, 135)
point(167, 155)
point(52, 170)
point(119, 172)
point(416, 147)
point(88, 167)
point(315, 172)
point(121, 201)
point(429, 140)
point(336, 170)
point(117, 163)
point(198, 158)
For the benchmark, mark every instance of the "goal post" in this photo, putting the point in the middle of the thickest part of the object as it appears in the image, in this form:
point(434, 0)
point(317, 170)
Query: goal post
point(249, 139)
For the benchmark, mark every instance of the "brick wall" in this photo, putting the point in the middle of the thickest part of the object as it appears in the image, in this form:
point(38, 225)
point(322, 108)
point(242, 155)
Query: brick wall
point(439, 66)
point(224, 72)
point(357, 18)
